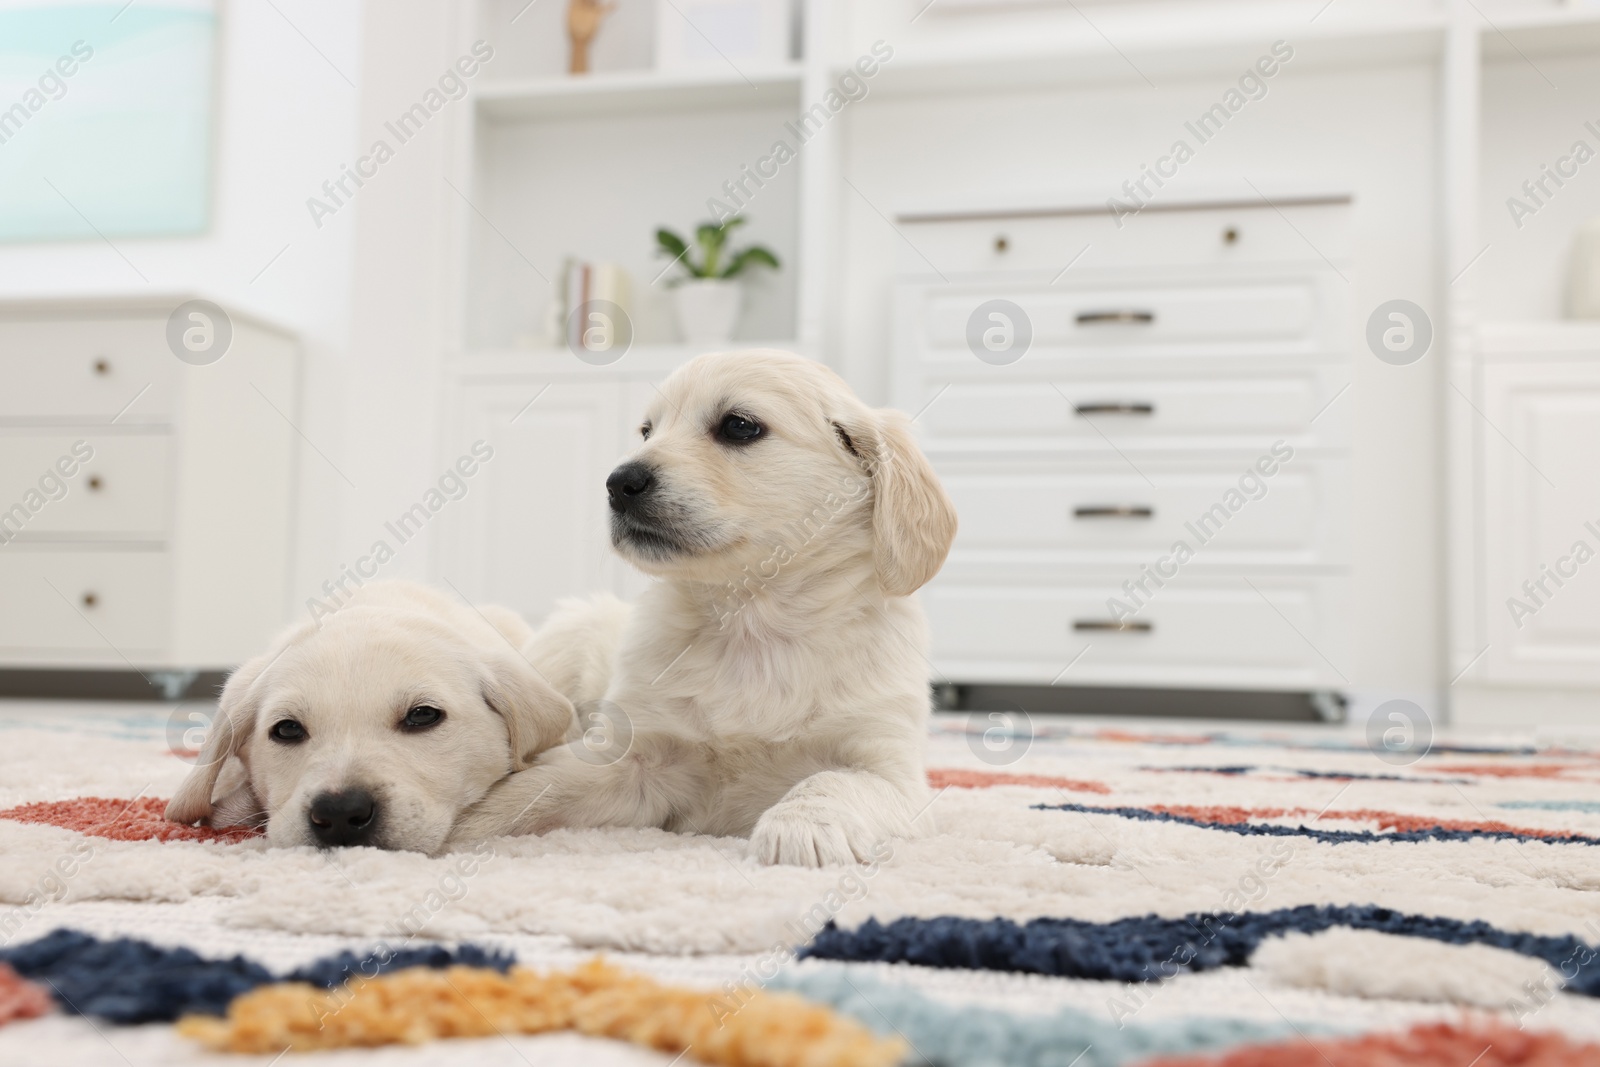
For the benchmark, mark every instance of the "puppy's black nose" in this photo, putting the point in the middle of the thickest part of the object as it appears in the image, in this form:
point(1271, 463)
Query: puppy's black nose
point(628, 483)
point(344, 818)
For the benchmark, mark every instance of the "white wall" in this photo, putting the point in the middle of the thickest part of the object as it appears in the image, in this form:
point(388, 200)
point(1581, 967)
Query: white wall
point(285, 120)
point(400, 268)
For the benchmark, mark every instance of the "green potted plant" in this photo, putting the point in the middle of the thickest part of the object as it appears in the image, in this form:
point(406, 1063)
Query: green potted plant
point(709, 294)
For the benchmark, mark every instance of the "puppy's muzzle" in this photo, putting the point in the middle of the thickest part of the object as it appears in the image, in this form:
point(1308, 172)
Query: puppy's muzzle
point(630, 486)
point(348, 817)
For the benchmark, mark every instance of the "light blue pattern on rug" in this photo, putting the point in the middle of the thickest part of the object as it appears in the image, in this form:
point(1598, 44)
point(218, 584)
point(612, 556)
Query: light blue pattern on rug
point(951, 1036)
point(156, 725)
point(1592, 806)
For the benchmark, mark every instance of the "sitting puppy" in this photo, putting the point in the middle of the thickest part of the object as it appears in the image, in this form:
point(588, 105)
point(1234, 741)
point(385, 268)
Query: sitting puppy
point(377, 727)
point(775, 683)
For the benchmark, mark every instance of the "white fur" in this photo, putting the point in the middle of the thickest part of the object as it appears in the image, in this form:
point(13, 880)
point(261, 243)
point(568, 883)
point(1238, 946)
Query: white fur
point(350, 679)
point(576, 648)
point(774, 684)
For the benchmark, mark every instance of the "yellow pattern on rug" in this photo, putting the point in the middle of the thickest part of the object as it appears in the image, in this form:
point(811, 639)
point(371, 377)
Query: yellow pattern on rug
point(420, 1004)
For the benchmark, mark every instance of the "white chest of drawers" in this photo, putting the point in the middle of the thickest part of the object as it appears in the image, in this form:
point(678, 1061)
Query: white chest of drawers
point(145, 502)
point(1188, 351)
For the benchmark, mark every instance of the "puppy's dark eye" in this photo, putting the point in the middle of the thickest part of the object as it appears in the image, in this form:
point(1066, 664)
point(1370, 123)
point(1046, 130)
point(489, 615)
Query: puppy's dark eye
point(739, 430)
point(287, 731)
point(422, 717)
point(644, 431)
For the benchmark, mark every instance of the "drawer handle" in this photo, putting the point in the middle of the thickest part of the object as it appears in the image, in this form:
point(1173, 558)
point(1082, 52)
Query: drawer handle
point(90, 599)
point(1001, 244)
point(1137, 407)
point(1114, 511)
point(1090, 318)
point(1112, 626)
point(102, 366)
point(95, 483)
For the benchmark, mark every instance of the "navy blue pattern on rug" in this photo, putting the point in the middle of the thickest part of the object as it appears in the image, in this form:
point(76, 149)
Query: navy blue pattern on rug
point(129, 981)
point(1331, 837)
point(1149, 947)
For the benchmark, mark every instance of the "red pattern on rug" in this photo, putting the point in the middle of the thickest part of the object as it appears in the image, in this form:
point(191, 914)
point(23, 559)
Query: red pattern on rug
point(20, 998)
point(1426, 1045)
point(1386, 820)
point(949, 777)
point(1495, 770)
point(142, 819)
point(1137, 738)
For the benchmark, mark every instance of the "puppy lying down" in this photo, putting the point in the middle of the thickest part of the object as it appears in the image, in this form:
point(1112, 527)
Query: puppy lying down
point(377, 727)
point(774, 683)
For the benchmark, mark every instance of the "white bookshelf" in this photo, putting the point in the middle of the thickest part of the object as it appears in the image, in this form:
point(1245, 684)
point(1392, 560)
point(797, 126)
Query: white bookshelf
point(589, 166)
point(1515, 368)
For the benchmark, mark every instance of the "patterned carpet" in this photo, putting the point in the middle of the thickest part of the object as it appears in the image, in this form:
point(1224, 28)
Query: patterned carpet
point(1092, 895)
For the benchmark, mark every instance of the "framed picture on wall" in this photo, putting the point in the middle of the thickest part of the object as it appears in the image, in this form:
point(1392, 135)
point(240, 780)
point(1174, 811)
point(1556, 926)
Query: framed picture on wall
point(105, 118)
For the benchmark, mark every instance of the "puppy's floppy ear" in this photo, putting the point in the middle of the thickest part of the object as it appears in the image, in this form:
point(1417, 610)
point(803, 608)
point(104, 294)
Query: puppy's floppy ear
point(913, 521)
point(536, 716)
point(235, 721)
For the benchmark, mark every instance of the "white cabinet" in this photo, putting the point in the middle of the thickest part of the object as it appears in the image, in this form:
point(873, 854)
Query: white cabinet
point(534, 528)
point(1152, 478)
point(146, 502)
point(1541, 508)
point(535, 525)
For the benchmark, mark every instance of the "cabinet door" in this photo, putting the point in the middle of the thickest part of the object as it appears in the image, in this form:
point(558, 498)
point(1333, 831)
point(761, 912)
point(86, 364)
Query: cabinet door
point(534, 526)
point(1542, 522)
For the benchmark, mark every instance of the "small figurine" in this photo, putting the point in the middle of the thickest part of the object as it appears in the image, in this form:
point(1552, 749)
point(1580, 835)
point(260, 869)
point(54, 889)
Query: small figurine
point(583, 22)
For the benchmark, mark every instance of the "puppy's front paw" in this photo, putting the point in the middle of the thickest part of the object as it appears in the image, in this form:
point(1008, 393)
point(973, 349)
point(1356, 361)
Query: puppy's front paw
point(789, 834)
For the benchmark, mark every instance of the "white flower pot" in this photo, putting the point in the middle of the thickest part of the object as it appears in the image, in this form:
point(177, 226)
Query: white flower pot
point(708, 309)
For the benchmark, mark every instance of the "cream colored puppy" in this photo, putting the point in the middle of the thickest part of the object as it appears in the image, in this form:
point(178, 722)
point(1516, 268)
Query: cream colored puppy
point(774, 684)
point(376, 726)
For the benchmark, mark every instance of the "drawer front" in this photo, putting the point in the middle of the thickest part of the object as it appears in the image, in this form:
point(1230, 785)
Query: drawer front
point(91, 370)
point(1254, 234)
point(1225, 512)
point(1214, 633)
point(1171, 317)
point(85, 606)
point(119, 485)
point(1135, 413)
